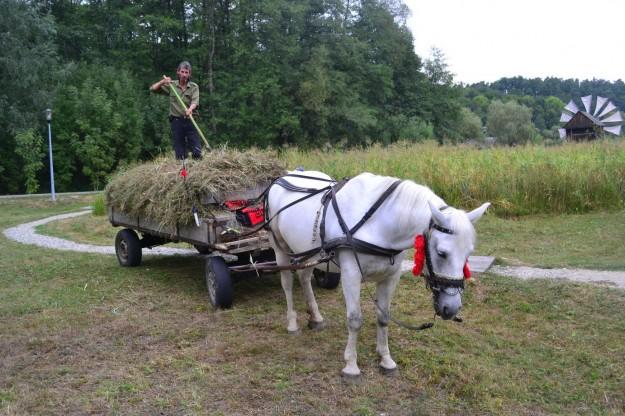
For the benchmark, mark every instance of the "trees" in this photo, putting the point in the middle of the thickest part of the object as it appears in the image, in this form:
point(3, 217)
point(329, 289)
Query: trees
point(510, 122)
point(29, 147)
point(470, 125)
point(28, 64)
point(271, 73)
point(442, 98)
point(100, 123)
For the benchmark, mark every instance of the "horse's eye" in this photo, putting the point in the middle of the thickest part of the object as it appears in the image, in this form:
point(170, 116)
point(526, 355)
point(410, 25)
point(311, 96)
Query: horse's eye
point(441, 254)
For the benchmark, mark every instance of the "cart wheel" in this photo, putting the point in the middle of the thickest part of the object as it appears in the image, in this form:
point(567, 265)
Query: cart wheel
point(218, 282)
point(202, 249)
point(326, 280)
point(128, 248)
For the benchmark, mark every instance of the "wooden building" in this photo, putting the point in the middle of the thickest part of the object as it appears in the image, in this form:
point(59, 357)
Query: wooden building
point(588, 125)
point(583, 126)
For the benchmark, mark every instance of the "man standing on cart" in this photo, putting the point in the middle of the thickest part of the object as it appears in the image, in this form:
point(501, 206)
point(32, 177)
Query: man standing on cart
point(182, 128)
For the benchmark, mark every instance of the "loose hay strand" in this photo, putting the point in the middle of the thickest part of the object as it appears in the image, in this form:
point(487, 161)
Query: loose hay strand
point(157, 191)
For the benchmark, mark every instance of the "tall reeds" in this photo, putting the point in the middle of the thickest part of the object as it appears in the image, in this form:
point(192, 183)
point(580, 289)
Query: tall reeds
point(531, 179)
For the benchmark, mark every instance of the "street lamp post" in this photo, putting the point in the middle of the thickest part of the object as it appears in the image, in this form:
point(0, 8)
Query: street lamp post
point(49, 119)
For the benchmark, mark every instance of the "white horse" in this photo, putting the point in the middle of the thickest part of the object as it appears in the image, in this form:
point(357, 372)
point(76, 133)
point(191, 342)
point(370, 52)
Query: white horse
point(409, 210)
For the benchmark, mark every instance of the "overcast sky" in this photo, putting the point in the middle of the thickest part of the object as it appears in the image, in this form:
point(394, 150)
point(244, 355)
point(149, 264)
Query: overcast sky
point(484, 40)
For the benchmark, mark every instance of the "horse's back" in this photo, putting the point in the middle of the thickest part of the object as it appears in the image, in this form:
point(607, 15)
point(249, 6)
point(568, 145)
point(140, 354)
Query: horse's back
point(295, 224)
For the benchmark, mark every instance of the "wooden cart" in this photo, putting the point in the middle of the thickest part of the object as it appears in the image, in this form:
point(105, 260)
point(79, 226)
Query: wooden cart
point(217, 237)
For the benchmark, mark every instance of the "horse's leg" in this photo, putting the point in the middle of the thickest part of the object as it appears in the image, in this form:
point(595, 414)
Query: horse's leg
point(350, 280)
point(315, 320)
point(286, 278)
point(384, 293)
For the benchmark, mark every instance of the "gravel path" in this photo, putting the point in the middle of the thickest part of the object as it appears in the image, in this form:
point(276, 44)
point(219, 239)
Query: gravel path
point(26, 234)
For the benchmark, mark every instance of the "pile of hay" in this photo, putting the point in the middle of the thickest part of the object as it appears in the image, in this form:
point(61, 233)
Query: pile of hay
point(156, 190)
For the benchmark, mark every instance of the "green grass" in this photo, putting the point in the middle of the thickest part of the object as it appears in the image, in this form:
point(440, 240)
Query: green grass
point(99, 206)
point(593, 240)
point(572, 178)
point(79, 335)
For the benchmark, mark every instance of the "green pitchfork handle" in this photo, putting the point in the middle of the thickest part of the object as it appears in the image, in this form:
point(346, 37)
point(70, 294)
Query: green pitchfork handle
point(190, 115)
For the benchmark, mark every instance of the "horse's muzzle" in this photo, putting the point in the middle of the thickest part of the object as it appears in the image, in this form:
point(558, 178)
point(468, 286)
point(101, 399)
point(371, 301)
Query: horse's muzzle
point(446, 313)
point(447, 303)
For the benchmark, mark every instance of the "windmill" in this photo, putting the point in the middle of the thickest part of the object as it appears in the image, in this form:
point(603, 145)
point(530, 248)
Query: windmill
point(580, 124)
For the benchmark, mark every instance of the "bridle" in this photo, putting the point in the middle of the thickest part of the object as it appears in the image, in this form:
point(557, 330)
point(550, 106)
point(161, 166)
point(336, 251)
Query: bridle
point(434, 281)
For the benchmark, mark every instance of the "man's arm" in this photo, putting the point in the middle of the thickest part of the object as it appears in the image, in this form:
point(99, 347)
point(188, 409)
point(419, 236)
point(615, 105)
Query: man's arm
point(195, 101)
point(157, 87)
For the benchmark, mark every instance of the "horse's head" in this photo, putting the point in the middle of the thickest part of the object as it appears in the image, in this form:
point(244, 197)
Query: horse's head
point(450, 240)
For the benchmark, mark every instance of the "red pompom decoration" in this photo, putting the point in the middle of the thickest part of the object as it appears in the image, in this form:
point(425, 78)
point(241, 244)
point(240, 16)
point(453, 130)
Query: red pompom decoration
point(419, 254)
point(183, 172)
point(466, 271)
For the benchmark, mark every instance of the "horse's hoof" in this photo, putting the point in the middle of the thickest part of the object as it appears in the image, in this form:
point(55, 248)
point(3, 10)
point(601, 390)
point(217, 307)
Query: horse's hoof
point(316, 326)
point(351, 378)
point(389, 372)
point(296, 332)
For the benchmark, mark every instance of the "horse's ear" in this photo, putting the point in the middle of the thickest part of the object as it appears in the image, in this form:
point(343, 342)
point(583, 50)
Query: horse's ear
point(477, 213)
point(437, 215)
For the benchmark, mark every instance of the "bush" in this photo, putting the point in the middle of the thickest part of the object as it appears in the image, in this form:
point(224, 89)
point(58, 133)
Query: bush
point(470, 126)
point(29, 146)
point(99, 207)
point(510, 123)
point(416, 130)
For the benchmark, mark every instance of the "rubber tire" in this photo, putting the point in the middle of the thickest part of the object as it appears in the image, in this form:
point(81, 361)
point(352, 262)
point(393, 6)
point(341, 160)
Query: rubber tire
point(128, 248)
point(326, 280)
point(218, 282)
point(202, 249)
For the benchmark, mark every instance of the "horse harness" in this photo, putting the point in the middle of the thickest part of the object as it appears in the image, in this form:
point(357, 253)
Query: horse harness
point(328, 248)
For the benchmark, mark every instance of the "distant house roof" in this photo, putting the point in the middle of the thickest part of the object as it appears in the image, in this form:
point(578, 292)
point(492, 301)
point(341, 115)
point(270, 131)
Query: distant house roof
point(582, 119)
point(592, 118)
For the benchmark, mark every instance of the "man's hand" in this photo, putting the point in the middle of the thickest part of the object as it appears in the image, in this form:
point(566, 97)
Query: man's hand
point(189, 112)
point(158, 84)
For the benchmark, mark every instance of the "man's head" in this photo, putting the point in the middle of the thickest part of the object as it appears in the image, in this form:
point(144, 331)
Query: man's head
point(184, 71)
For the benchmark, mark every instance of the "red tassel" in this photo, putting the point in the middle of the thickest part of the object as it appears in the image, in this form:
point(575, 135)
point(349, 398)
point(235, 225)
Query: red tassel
point(419, 255)
point(183, 172)
point(466, 271)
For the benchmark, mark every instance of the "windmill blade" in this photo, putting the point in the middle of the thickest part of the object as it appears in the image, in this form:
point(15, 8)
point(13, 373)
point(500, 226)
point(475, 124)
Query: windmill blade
point(562, 133)
point(600, 103)
point(616, 117)
point(572, 107)
point(616, 130)
point(587, 100)
point(608, 109)
point(565, 117)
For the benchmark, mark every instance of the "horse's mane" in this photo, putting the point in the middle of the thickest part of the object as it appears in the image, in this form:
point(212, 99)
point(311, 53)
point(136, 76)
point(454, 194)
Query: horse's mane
point(414, 197)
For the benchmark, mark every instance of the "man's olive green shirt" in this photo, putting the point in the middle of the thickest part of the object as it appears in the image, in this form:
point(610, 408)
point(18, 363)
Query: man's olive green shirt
point(190, 95)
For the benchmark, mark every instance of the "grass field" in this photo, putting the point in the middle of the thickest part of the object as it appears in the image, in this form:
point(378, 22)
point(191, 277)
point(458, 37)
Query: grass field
point(81, 335)
point(572, 178)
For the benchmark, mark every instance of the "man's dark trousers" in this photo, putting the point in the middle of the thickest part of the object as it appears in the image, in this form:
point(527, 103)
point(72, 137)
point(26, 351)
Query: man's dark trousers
point(183, 131)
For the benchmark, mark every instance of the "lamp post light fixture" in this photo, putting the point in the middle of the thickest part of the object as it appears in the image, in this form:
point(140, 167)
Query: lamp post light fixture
point(49, 119)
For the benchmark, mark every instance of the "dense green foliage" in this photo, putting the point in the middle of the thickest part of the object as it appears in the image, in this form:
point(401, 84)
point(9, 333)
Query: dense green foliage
point(28, 65)
point(29, 147)
point(510, 122)
point(271, 73)
point(545, 98)
point(520, 180)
